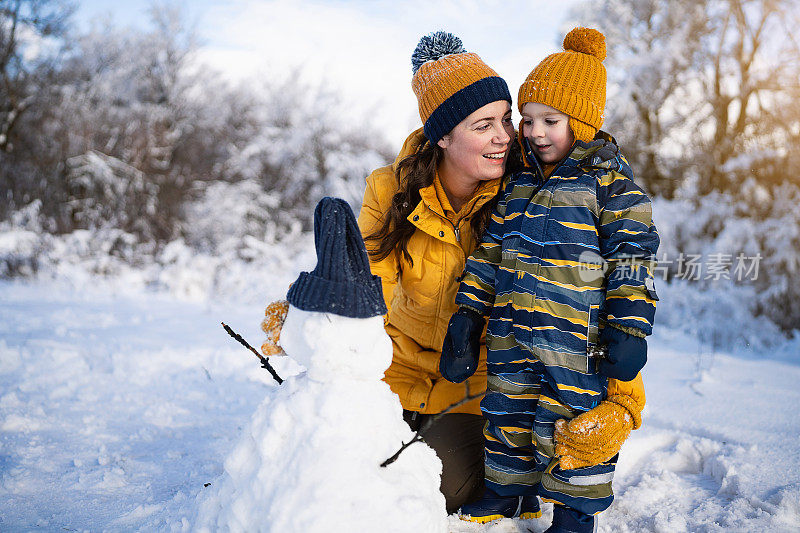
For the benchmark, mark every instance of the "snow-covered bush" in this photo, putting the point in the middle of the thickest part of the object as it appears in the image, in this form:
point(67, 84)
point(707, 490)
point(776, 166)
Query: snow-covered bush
point(244, 269)
point(302, 144)
point(719, 317)
point(22, 243)
point(761, 226)
point(139, 159)
point(107, 192)
point(225, 213)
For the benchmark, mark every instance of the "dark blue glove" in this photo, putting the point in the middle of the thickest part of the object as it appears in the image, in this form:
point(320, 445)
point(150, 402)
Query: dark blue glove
point(627, 354)
point(462, 345)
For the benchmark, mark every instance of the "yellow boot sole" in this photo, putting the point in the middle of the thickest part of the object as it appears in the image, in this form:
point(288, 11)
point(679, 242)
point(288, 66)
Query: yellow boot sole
point(493, 517)
point(481, 519)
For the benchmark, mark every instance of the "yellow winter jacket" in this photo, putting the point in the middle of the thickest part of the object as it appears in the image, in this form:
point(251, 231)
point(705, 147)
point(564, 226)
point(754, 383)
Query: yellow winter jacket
point(420, 297)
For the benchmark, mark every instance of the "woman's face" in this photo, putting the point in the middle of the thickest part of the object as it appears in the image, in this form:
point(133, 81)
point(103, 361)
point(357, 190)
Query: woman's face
point(476, 149)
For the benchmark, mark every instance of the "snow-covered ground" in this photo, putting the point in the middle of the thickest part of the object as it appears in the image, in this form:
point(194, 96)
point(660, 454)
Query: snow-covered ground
point(117, 408)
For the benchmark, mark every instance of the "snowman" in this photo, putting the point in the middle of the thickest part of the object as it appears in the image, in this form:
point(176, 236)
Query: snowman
point(310, 459)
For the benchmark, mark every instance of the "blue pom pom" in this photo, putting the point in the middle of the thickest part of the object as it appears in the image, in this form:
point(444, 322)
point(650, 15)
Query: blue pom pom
point(433, 46)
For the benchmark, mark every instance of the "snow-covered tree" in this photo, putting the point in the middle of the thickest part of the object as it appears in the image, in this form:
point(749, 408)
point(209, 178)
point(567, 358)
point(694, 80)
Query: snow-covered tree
point(303, 145)
point(653, 47)
point(703, 98)
point(31, 46)
point(695, 86)
point(30, 32)
point(136, 142)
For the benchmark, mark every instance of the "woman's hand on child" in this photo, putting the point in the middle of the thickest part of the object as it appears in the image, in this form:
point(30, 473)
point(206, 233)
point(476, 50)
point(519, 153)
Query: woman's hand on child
point(462, 345)
point(596, 435)
point(274, 316)
point(627, 354)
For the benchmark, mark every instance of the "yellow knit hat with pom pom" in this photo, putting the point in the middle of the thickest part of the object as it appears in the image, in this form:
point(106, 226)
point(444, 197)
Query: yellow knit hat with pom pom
point(572, 81)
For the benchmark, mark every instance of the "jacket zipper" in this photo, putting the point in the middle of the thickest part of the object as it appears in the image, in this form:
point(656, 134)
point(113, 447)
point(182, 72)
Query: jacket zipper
point(455, 226)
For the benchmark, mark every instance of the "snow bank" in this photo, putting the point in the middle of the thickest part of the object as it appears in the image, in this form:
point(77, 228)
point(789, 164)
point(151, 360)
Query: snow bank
point(117, 410)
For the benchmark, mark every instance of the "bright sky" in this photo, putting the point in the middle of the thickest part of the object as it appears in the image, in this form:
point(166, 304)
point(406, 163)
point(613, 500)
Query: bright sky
point(361, 48)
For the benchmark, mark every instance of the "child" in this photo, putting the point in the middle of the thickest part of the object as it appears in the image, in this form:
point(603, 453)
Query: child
point(564, 267)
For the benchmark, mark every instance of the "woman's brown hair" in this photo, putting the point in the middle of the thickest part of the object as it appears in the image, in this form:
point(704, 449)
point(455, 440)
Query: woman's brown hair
point(415, 172)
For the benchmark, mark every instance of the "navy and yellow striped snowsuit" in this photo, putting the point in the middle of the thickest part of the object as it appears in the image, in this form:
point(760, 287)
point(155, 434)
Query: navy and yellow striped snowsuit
point(561, 257)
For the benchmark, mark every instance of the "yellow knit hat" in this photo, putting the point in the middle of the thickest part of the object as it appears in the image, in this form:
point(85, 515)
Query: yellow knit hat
point(450, 83)
point(572, 81)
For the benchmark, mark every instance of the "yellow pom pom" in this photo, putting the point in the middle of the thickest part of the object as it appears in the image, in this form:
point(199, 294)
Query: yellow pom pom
point(586, 41)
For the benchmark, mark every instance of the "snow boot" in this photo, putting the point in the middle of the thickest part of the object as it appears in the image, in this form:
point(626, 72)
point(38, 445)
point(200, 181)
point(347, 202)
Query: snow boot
point(529, 508)
point(492, 506)
point(566, 520)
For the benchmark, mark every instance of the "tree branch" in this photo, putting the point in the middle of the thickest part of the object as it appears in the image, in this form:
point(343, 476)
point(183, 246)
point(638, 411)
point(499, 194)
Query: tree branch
point(264, 363)
point(429, 422)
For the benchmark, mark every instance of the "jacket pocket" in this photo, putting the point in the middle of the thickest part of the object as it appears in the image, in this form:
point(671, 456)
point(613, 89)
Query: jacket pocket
point(416, 317)
point(421, 278)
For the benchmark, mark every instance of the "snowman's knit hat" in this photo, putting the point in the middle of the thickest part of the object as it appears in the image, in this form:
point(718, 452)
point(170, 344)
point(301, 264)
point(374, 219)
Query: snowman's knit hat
point(341, 283)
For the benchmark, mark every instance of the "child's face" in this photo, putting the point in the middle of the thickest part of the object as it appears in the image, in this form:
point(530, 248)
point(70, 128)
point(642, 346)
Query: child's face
point(547, 131)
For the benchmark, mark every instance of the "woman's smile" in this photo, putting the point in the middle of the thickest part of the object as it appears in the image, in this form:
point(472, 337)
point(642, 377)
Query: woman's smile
point(497, 156)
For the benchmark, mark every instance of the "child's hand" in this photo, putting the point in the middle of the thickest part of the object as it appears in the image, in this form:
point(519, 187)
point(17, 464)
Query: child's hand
point(462, 345)
point(275, 314)
point(627, 354)
point(596, 435)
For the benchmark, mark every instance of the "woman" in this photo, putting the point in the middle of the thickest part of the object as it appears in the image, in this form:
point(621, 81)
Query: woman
point(422, 217)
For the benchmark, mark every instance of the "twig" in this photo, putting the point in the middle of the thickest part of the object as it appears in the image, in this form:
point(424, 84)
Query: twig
point(264, 362)
point(428, 423)
point(393, 458)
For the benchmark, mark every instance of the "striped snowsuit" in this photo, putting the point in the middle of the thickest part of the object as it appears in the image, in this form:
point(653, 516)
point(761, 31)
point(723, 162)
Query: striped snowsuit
point(562, 257)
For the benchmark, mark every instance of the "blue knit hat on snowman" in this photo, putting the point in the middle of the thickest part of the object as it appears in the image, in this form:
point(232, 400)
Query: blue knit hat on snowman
point(341, 283)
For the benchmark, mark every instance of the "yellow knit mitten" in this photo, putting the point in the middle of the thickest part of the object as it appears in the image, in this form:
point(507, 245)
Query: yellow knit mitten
point(596, 435)
point(275, 314)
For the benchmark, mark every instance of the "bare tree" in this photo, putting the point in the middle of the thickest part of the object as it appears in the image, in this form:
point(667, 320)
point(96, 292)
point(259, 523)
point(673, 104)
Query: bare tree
point(701, 89)
point(29, 47)
point(751, 85)
point(133, 135)
point(654, 47)
point(130, 100)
